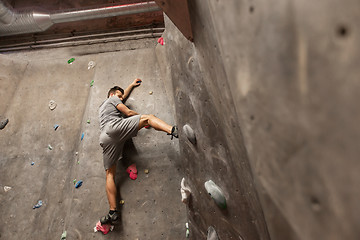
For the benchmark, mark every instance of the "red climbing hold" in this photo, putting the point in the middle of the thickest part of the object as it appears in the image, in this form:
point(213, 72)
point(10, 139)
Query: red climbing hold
point(104, 228)
point(161, 41)
point(132, 171)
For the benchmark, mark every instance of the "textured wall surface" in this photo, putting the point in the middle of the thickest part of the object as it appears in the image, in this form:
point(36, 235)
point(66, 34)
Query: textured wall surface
point(153, 207)
point(273, 85)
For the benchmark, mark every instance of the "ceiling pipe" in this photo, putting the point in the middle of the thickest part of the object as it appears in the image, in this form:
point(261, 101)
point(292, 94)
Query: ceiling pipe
point(6, 15)
point(14, 23)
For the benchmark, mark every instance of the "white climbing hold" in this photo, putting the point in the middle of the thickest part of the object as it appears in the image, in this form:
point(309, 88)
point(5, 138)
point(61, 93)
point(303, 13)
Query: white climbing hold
point(185, 192)
point(215, 192)
point(212, 235)
point(7, 188)
point(189, 132)
point(52, 104)
point(91, 64)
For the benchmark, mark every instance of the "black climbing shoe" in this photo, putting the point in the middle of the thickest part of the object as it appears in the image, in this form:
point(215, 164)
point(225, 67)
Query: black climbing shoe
point(110, 218)
point(3, 123)
point(174, 132)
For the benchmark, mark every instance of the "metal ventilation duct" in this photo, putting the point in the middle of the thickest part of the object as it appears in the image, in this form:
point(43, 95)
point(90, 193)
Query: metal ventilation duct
point(13, 22)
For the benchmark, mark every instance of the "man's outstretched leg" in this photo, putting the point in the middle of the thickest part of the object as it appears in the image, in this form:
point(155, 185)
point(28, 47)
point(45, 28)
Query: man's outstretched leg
point(112, 216)
point(158, 125)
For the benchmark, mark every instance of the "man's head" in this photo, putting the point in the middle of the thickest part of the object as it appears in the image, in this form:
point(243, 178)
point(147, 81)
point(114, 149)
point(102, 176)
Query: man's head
point(117, 91)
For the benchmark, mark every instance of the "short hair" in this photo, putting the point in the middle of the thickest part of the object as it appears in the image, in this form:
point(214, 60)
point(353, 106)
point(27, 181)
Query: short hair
point(114, 89)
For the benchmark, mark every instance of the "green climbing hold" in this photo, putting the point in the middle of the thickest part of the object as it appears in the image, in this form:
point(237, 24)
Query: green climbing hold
point(71, 60)
point(63, 236)
point(92, 83)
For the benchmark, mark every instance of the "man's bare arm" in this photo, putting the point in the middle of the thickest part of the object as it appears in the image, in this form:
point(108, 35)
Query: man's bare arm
point(125, 110)
point(127, 91)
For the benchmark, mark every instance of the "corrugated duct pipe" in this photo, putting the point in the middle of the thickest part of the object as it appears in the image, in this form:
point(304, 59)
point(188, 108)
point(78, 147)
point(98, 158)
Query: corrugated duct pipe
point(13, 22)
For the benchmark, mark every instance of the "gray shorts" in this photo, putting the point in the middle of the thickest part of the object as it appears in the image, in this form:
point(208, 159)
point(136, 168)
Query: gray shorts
point(113, 137)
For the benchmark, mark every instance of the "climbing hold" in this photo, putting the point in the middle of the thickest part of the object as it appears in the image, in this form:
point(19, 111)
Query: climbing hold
point(189, 132)
point(56, 127)
point(132, 171)
point(151, 92)
point(76, 153)
point(185, 192)
point(63, 236)
point(32, 163)
point(216, 194)
point(104, 228)
point(138, 81)
point(147, 126)
point(39, 204)
point(71, 60)
point(7, 188)
point(161, 40)
point(78, 184)
point(82, 136)
point(122, 202)
point(212, 235)
point(88, 121)
point(74, 181)
point(146, 171)
point(91, 64)
point(3, 123)
point(92, 83)
point(50, 147)
point(187, 230)
point(52, 105)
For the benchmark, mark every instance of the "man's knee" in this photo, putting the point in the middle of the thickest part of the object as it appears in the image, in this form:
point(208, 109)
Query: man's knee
point(111, 171)
point(146, 117)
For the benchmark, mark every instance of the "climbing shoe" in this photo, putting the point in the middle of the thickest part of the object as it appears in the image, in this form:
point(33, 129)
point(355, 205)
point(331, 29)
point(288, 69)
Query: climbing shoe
point(3, 123)
point(174, 132)
point(110, 218)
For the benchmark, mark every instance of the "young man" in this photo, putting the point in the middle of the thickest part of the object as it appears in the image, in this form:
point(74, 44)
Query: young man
point(118, 123)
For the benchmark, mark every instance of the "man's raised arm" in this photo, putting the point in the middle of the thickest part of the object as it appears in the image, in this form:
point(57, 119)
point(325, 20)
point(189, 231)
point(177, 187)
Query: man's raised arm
point(127, 91)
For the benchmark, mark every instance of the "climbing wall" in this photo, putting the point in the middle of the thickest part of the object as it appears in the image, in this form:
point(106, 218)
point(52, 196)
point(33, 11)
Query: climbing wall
point(270, 90)
point(41, 163)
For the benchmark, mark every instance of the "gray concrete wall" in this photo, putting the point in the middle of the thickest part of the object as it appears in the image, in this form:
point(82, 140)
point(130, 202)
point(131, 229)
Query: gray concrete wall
point(271, 91)
point(29, 80)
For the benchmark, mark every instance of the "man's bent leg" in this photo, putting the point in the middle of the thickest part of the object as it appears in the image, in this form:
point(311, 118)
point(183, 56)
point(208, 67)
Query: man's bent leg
point(154, 122)
point(111, 187)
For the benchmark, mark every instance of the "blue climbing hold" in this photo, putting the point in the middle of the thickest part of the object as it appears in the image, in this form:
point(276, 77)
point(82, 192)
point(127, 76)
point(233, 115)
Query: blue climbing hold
point(56, 127)
point(39, 204)
point(78, 184)
point(82, 136)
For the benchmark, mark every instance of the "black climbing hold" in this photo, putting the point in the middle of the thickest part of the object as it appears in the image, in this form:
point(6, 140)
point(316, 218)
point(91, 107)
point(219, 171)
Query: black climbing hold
point(3, 123)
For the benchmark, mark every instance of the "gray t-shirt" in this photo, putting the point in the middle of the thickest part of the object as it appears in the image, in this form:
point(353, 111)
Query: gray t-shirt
point(108, 111)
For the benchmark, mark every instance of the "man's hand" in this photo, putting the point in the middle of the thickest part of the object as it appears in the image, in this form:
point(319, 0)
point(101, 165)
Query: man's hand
point(128, 90)
point(136, 82)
